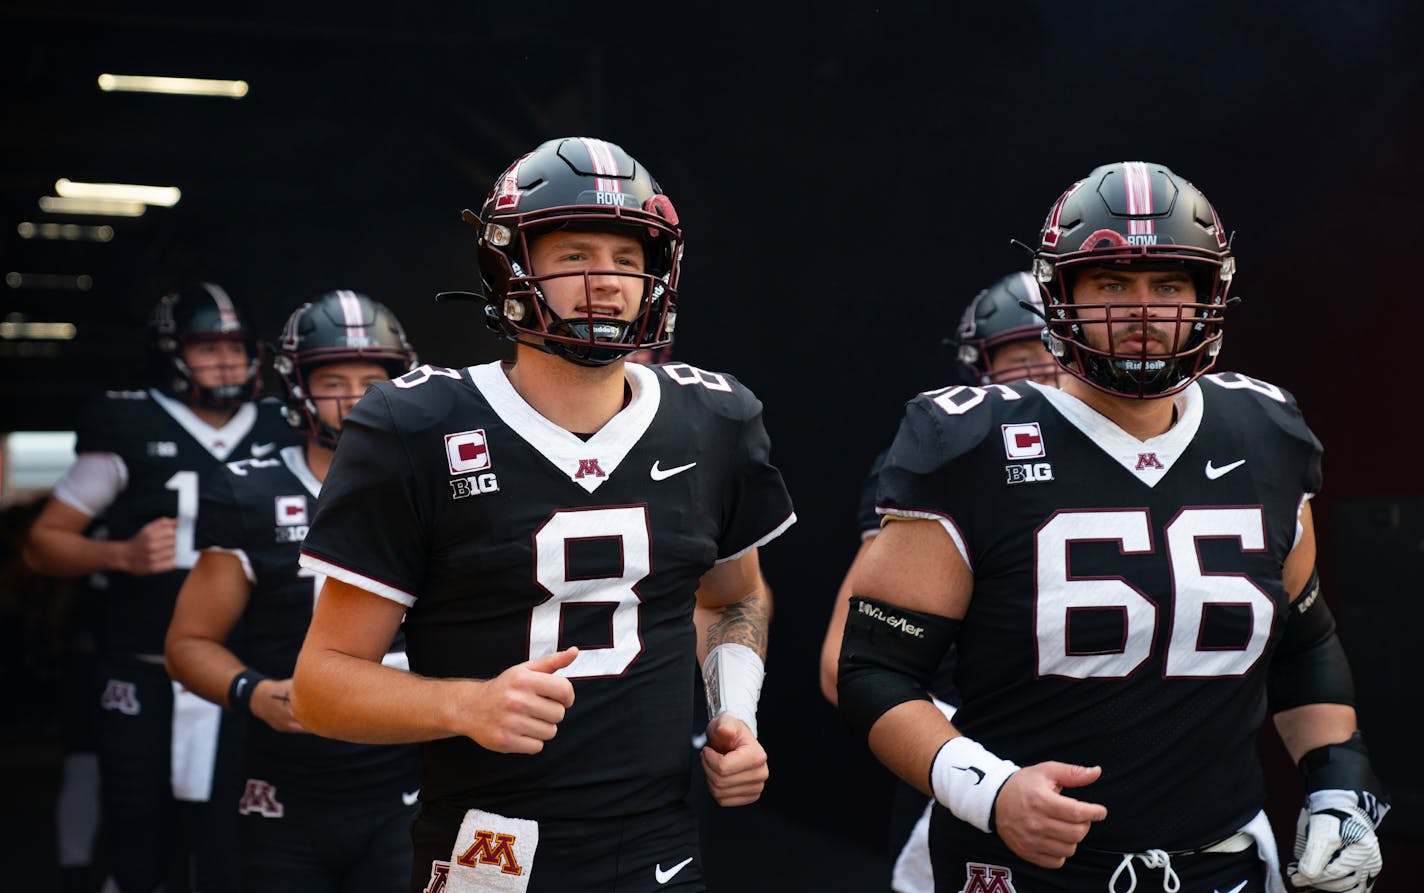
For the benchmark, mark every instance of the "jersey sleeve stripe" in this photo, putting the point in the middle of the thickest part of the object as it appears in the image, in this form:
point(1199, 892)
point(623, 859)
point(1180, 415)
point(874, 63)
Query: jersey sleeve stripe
point(780, 529)
point(360, 581)
point(944, 521)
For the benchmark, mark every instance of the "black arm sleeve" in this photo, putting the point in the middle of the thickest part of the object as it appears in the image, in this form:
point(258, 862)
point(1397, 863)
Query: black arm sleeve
point(1309, 666)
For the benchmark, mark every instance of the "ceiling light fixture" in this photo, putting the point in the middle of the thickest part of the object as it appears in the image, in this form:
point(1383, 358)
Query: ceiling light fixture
point(136, 83)
point(162, 196)
point(52, 204)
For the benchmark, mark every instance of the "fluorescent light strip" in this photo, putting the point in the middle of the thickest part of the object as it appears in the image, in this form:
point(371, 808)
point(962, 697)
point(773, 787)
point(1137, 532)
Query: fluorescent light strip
point(55, 205)
point(162, 196)
point(69, 232)
point(50, 281)
point(38, 331)
point(137, 83)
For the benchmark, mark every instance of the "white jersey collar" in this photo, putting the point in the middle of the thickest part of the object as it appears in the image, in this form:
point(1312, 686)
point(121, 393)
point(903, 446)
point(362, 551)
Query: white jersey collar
point(295, 458)
point(218, 441)
point(1147, 460)
point(572, 455)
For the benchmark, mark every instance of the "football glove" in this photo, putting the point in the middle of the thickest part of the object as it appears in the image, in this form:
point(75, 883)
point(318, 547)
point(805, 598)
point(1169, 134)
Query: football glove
point(1336, 849)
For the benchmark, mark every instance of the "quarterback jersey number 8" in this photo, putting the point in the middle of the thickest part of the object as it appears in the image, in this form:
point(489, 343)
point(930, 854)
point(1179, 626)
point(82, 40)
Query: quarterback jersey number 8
point(628, 526)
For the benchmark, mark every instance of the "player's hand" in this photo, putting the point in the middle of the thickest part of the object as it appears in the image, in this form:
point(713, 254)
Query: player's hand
point(734, 762)
point(1037, 821)
point(152, 549)
point(271, 702)
point(1335, 844)
point(521, 708)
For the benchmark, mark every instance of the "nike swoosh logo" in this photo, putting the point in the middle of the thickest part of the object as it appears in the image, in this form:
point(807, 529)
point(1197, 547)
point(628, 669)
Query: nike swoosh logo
point(975, 769)
point(659, 474)
point(409, 799)
point(261, 449)
point(664, 876)
point(1235, 889)
point(1212, 473)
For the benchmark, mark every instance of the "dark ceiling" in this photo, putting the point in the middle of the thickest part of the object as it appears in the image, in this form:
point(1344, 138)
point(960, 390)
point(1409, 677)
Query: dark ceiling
point(848, 174)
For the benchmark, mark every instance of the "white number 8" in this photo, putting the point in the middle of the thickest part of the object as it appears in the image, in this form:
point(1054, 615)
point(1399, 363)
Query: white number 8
point(628, 525)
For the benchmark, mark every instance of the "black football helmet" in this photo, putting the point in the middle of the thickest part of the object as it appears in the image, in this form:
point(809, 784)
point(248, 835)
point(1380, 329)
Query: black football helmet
point(576, 183)
point(201, 311)
point(997, 317)
point(340, 326)
point(1135, 215)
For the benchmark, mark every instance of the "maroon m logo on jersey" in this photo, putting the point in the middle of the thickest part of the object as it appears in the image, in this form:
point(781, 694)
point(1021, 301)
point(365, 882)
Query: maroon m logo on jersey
point(260, 797)
point(589, 467)
point(120, 696)
point(492, 849)
point(988, 879)
point(439, 877)
point(1148, 460)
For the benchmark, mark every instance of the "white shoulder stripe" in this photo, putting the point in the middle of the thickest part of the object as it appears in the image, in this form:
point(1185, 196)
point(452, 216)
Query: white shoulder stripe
point(360, 581)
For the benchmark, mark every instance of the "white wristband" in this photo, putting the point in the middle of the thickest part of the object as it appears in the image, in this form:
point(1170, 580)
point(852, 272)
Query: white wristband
point(732, 675)
point(965, 778)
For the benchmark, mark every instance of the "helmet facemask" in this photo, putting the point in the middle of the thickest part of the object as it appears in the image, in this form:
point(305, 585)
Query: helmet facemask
point(589, 339)
point(1188, 334)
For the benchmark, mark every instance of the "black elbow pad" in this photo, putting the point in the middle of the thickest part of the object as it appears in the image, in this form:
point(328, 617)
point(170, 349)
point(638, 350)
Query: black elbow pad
point(1309, 666)
point(888, 655)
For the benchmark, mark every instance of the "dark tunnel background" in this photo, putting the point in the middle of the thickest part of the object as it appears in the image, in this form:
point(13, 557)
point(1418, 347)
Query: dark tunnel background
point(848, 176)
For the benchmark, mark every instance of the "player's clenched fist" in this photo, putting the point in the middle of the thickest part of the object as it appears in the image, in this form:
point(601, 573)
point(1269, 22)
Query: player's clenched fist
point(734, 762)
point(521, 708)
point(153, 548)
point(1037, 820)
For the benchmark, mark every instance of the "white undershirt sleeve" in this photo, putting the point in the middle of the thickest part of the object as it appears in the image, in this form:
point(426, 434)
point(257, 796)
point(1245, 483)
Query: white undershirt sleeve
point(93, 482)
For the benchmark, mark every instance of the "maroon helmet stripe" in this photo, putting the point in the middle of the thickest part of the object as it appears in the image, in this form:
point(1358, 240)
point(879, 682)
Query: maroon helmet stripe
point(601, 157)
point(226, 311)
point(352, 315)
point(1139, 196)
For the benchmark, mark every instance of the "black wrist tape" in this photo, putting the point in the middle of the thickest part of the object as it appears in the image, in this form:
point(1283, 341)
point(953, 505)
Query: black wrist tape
point(239, 691)
point(1344, 766)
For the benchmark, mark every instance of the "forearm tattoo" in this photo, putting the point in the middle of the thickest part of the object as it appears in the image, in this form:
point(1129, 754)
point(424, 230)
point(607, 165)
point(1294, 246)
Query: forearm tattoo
point(744, 623)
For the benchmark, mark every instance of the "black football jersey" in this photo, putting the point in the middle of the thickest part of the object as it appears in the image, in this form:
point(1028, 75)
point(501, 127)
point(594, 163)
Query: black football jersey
point(509, 538)
point(259, 510)
point(167, 450)
point(1127, 594)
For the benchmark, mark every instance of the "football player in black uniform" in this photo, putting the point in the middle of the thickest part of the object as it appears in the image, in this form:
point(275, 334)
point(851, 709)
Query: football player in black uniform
point(1126, 565)
point(998, 341)
point(142, 457)
point(562, 536)
point(317, 814)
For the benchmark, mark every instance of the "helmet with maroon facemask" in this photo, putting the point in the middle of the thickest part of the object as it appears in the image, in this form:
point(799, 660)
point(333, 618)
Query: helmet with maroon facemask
point(193, 314)
point(1135, 216)
point(577, 184)
point(1001, 315)
point(338, 327)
